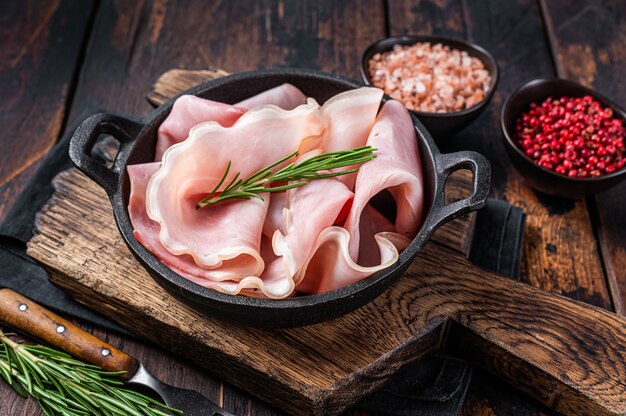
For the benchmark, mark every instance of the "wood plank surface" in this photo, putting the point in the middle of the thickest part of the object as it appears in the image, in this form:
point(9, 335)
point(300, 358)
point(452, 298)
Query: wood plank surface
point(279, 359)
point(596, 56)
point(133, 43)
point(569, 355)
point(39, 55)
point(560, 250)
point(128, 49)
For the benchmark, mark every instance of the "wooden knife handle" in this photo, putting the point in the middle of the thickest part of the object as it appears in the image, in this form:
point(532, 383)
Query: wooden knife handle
point(24, 315)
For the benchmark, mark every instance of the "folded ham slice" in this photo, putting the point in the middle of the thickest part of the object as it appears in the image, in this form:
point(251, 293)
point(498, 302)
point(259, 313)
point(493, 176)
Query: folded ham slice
point(307, 212)
point(350, 117)
point(369, 242)
point(146, 231)
point(331, 267)
point(285, 96)
point(189, 110)
point(397, 169)
point(191, 169)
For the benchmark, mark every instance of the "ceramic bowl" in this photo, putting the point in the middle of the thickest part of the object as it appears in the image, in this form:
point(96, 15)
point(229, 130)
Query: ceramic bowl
point(544, 180)
point(440, 125)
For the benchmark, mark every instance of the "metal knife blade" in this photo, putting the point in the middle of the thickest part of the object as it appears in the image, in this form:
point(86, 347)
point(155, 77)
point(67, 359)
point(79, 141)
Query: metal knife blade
point(25, 315)
point(190, 402)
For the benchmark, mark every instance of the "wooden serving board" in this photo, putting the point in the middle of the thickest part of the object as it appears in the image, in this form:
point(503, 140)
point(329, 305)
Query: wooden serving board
point(568, 355)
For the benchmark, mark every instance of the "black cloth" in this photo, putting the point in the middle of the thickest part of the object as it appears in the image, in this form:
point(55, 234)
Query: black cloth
point(21, 273)
point(438, 385)
point(433, 386)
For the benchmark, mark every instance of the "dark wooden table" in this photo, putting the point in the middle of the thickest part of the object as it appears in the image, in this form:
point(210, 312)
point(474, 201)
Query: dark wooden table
point(58, 57)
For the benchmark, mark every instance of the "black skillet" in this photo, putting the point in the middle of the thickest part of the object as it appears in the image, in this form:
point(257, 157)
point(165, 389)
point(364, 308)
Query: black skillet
point(137, 143)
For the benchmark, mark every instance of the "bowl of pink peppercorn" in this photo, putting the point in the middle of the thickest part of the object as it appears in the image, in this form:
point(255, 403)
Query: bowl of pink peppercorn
point(567, 140)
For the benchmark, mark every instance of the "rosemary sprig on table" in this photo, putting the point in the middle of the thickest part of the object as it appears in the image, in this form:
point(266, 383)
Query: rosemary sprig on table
point(64, 386)
point(293, 175)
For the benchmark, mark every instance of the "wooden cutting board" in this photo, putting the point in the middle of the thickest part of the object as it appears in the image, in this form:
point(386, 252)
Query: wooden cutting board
point(569, 355)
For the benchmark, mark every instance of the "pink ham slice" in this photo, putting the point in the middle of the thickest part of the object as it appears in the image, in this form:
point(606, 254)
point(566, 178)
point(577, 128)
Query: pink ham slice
point(251, 286)
point(285, 96)
point(396, 168)
point(193, 168)
point(369, 243)
point(307, 212)
point(331, 267)
point(189, 110)
point(350, 117)
point(146, 231)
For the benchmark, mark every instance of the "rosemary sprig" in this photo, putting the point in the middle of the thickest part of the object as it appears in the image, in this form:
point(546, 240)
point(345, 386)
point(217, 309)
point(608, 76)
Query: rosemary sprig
point(64, 386)
point(294, 175)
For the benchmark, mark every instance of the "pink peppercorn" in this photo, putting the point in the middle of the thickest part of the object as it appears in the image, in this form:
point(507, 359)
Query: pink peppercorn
point(572, 136)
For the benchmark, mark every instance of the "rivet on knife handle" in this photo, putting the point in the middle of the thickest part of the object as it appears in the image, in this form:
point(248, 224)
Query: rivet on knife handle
point(24, 315)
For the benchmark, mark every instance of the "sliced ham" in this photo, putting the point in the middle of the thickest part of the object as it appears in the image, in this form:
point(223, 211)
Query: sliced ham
point(291, 241)
point(396, 169)
point(189, 110)
point(308, 211)
point(271, 284)
point(285, 96)
point(369, 242)
point(331, 266)
point(146, 231)
point(191, 169)
point(350, 117)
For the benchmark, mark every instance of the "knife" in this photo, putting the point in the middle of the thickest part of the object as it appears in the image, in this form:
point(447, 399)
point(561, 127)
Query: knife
point(24, 315)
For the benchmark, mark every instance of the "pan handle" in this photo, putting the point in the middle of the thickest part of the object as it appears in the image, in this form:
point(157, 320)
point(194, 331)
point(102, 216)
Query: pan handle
point(125, 130)
point(445, 165)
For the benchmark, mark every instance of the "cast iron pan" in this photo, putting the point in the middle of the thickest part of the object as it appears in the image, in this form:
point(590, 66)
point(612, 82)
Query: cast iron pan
point(137, 143)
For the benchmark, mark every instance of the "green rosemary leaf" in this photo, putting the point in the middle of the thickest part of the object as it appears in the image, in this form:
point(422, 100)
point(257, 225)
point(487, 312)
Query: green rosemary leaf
point(296, 174)
point(291, 185)
point(60, 370)
point(115, 405)
point(46, 409)
point(221, 181)
point(64, 386)
point(17, 358)
point(133, 395)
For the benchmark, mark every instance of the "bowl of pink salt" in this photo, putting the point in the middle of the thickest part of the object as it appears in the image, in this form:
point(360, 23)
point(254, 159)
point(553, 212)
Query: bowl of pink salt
point(445, 82)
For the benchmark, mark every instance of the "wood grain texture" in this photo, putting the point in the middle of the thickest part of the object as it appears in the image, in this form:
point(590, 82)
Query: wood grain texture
point(38, 58)
point(175, 81)
point(132, 43)
point(560, 251)
point(138, 41)
point(26, 316)
point(596, 57)
point(568, 355)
